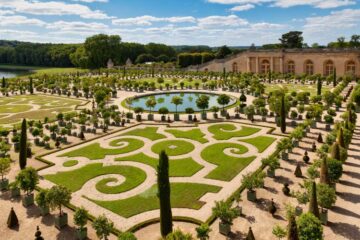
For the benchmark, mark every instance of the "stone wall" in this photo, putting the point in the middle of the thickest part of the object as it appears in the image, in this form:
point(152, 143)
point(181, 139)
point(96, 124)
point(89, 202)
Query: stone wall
point(298, 61)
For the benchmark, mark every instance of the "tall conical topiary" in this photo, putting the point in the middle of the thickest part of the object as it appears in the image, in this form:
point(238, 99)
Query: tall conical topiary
point(319, 86)
point(250, 235)
point(23, 145)
point(320, 139)
point(12, 219)
point(292, 230)
point(313, 206)
point(324, 172)
point(283, 115)
point(335, 151)
point(164, 194)
point(298, 172)
point(334, 78)
point(38, 234)
point(31, 88)
point(341, 138)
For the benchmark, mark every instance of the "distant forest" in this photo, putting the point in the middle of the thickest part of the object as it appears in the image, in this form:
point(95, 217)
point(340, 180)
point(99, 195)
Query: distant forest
point(96, 50)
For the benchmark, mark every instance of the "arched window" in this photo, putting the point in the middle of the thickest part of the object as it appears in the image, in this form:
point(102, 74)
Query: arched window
point(328, 68)
point(291, 67)
point(309, 67)
point(235, 67)
point(350, 67)
point(265, 66)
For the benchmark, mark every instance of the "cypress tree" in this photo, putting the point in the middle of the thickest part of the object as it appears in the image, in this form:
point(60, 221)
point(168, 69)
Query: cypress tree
point(250, 235)
point(319, 86)
point(31, 89)
point(292, 231)
point(3, 83)
point(313, 206)
point(334, 78)
point(164, 194)
point(341, 138)
point(270, 76)
point(12, 219)
point(23, 145)
point(324, 172)
point(283, 115)
point(335, 151)
point(350, 116)
point(298, 172)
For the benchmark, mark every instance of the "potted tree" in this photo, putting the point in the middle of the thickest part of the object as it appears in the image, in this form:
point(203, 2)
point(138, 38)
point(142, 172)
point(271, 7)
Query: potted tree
point(28, 178)
point(326, 198)
point(176, 100)
point(163, 111)
point(80, 220)
point(203, 103)
point(250, 112)
point(14, 189)
point(59, 195)
point(151, 103)
point(215, 110)
point(223, 100)
point(283, 146)
point(41, 200)
point(302, 198)
point(272, 163)
point(250, 181)
point(202, 232)
point(226, 214)
point(4, 170)
point(138, 111)
point(103, 227)
point(189, 111)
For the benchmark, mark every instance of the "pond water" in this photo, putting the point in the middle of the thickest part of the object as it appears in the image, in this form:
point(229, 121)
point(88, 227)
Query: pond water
point(10, 73)
point(189, 101)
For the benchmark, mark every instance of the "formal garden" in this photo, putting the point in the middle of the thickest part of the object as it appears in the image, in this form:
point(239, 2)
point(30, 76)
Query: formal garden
point(124, 150)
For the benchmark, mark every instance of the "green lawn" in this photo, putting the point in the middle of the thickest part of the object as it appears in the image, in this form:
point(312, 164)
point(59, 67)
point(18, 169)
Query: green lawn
point(193, 134)
point(261, 142)
point(94, 151)
point(47, 106)
point(173, 147)
point(75, 179)
point(312, 89)
point(183, 195)
point(177, 168)
point(147, 132)
point(226, 131)
point(70, 163)
point(227, 166)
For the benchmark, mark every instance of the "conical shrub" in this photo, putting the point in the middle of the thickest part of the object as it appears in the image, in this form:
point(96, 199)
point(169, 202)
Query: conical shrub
point(12, 219)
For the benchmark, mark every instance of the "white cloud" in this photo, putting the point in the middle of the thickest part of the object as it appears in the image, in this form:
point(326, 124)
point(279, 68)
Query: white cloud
point(77, 26)
point(91, 1)
point(290, 3)
point(15, 20)
point(222, 21)
point(149, 20)
point(242, 7)
point(52, 8)
point(327, 28)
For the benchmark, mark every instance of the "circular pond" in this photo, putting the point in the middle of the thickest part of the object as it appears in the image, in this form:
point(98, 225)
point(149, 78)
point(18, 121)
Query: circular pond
point(188, 98)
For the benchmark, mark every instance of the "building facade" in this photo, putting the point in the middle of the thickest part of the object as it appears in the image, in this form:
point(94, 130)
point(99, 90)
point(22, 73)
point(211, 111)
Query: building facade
point(296, 61)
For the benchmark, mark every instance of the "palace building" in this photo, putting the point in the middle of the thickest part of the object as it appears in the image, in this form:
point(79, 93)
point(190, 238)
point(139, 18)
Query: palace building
point(296, 61)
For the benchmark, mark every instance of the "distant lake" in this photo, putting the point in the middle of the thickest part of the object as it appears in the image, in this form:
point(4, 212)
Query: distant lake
point(10, 73)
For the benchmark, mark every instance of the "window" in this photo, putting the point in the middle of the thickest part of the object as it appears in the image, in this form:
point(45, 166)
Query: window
point(291, 67)
point(350, 67)
point(328, 68)
point(235, 67)
point(309, 67)
point(265, 66)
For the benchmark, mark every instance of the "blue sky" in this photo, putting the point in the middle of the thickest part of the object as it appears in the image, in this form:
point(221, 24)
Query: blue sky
point(176, 22)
